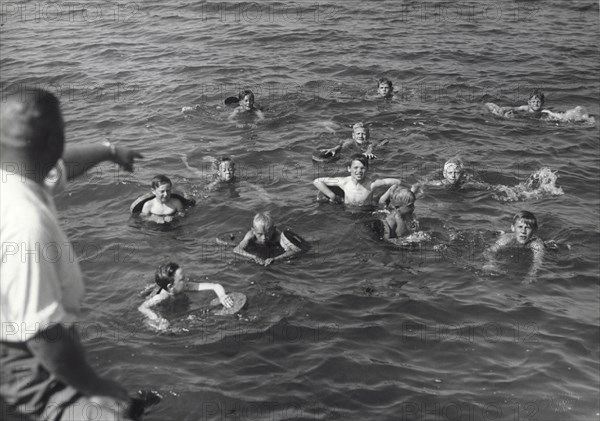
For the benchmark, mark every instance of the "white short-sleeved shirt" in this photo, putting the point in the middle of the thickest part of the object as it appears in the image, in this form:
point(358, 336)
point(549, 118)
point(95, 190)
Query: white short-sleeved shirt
point(40, 278)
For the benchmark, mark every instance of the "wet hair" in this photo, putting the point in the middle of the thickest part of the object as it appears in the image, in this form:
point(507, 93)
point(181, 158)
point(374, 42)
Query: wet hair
point(165, 275)
point(217, 162)
point(537, 93)
point(245, 93)
point(360, 125)
point(402, 198)
point(457, 162)
point(386, 81)
point(159, 180)
point(263, 218)
point(526, 217)
point(359, 157)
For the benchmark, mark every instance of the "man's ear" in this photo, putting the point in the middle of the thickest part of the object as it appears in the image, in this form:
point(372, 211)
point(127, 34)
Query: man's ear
point(512, 228)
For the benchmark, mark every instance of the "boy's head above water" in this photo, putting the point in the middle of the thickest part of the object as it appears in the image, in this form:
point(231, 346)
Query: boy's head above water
point(246, 99)
point(536, 100)
point(360, 133)
point(358, 166)
point(263, 227)
point(453, 170)
point(524, 226)
point(169, 277)
point(385, 88)
point(225, 168)
point(161, 187)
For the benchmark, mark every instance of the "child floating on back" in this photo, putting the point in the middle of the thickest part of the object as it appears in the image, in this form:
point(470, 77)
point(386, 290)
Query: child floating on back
point(170, 283)
point(523, 229)
point(163, 208)
point(357, 187)
point(264, 243)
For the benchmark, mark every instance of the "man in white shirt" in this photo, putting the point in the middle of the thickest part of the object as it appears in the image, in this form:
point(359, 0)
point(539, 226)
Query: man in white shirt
point(43, 369)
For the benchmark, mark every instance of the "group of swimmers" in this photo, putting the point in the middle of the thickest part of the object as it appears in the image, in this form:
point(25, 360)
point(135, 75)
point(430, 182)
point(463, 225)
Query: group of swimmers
point(264, 243)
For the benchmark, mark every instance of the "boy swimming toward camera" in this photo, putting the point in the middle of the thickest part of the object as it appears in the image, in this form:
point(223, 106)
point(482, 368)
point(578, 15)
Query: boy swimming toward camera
point(163, 208)
point(246, 107)
point(171, 282)
point(358, 187)
point(224, 172)
point(385, 88)
point(360, 142)
point(264, 243)
point(523, 229)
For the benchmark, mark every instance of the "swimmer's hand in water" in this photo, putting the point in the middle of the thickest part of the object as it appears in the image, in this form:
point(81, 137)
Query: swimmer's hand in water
point(369, 155)
point(159, 324)
point(223, 298)
point(331, 151)
point(336, 199)
point(268, 261)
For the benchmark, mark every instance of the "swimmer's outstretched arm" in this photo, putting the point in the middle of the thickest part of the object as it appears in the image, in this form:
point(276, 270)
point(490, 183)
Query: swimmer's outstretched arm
point(369, 152)
point(538, 248)
point(490, 253)
point(337, 149)
point(259, 114)
point(81, 158)
point(234, 114)
point(146, 307)
point(384, 182)
point(217, 288)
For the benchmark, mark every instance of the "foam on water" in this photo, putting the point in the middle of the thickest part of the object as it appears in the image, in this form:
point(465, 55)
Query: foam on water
point(541, 183)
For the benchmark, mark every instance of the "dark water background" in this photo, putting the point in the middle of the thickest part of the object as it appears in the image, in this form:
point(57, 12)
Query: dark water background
point(356, 329)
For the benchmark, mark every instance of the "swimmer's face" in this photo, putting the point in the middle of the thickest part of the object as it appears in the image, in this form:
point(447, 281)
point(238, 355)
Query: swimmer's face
point(452, 173)
point(535, 103)
point(384, 90)
point(163, 192)
point(247, 103)
point(226, 171)
point(360, 135)
point(263, 233)
point(357, 170)
point(178, 282)
point(523, 231)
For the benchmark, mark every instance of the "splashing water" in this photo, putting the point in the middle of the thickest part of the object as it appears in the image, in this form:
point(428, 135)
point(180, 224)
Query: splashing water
point(539, 184)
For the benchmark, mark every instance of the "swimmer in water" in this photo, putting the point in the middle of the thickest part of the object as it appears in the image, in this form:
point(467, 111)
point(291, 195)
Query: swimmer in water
point(224, 172)
point(400, 221)
point(360, 142)
point(385, 89)
point(534, 104)
point(263, 242)
point(246, 107)
point(523, 229)
point(163, 208)
point(170, 281)
point(358, 187)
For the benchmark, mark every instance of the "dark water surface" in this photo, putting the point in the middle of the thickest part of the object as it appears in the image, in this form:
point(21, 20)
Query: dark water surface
point(356, 329)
